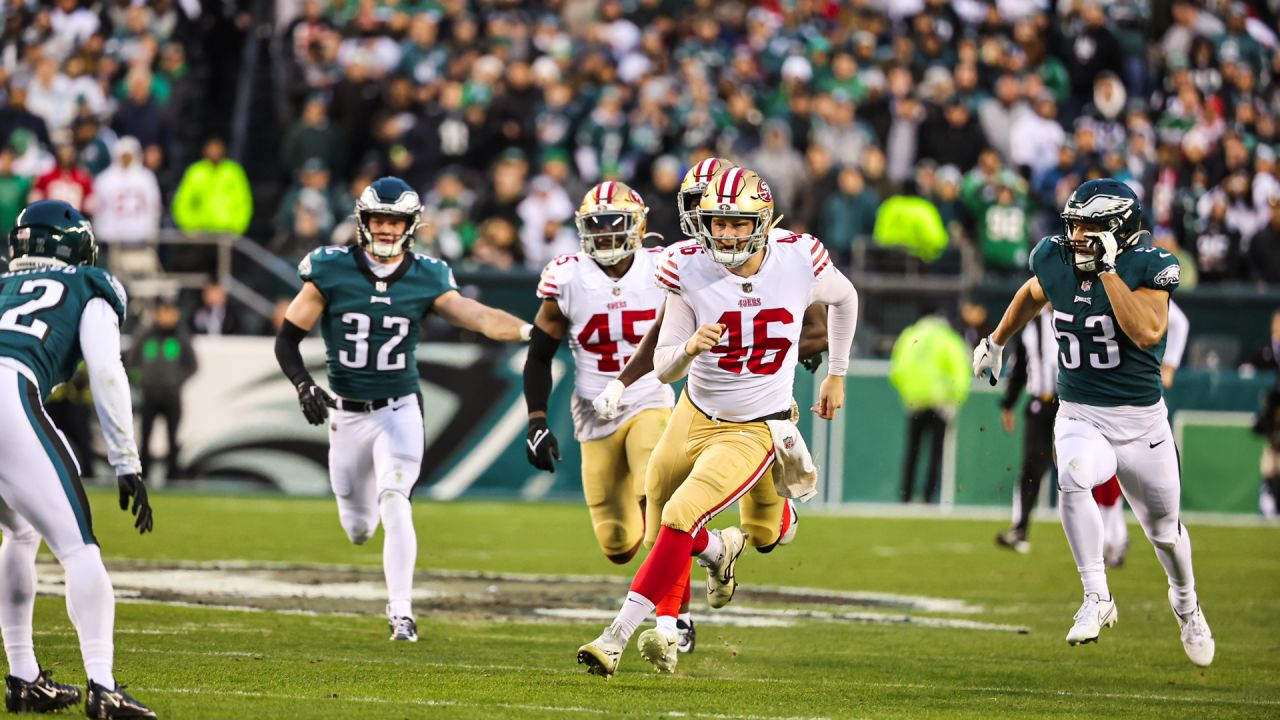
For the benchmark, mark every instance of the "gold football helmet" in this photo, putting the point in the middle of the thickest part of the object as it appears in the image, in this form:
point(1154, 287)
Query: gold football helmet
point(736, 193)
point(611, 222)
point(695, 181)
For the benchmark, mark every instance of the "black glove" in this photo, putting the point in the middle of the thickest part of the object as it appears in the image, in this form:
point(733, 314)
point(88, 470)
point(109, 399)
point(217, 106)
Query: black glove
point(315, 402)
point(131, 486)
point(812, 363)
point(540, 445)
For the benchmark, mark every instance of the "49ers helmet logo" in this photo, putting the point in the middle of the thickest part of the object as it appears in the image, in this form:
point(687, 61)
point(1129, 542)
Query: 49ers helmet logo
point(765, 194)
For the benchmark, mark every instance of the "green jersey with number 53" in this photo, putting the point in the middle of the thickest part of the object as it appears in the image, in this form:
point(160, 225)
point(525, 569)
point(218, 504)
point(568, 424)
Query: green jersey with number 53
point(40, 317)
point(1098, 364)
point(371, 324)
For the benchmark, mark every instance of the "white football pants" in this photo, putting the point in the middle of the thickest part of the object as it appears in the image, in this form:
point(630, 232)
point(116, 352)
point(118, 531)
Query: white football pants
point(1147, 467)
point(374, 462)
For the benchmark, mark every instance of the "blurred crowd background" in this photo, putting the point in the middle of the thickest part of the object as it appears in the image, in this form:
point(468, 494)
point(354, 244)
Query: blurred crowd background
point(928, 140)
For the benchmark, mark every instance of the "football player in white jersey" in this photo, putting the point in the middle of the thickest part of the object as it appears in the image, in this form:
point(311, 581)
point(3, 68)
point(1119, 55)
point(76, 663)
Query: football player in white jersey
point(604, 299)
point(732, 323)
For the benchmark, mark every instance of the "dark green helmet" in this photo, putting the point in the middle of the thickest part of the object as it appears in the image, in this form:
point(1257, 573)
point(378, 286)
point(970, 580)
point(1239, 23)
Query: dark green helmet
point(51, 229)
point(1110, 205)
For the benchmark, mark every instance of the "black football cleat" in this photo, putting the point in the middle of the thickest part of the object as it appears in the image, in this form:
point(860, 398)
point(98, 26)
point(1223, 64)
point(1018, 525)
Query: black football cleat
point(688, 636)
point(42, 695)
point(105, 704)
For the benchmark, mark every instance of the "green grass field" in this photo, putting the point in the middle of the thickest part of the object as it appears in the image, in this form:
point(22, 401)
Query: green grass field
point(199, 662)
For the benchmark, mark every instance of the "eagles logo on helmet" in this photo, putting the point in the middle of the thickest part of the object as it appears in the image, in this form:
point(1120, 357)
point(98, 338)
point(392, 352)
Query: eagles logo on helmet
point(51, 232)
point(1105, 205)
point(611, 222)
point(388, 196)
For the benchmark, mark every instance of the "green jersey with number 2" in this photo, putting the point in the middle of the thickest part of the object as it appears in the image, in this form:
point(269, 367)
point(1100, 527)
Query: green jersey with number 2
point(40, 317)
point(1098, 364)
point(371, 324)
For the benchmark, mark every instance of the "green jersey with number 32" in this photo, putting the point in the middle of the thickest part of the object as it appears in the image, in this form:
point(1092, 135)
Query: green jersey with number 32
point(40, 313)
point(1098, 364)
point(371, 324)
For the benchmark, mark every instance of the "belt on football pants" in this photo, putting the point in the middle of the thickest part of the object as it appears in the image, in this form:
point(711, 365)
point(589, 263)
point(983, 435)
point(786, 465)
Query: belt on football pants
point(782, 415)
point(361, 406)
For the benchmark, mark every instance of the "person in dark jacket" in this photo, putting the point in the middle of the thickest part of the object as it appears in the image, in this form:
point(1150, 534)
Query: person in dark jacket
point(162, 361)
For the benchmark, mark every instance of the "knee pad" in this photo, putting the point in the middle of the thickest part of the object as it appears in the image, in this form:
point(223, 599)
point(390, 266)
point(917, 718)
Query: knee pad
point(617, 540)
point(1165, 534)
point(26, 538)
point(358, 525)
point(1078, 474)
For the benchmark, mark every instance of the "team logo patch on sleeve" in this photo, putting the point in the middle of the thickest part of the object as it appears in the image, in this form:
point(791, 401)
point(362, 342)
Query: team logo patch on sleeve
point(304, 267)
point(1171, 275)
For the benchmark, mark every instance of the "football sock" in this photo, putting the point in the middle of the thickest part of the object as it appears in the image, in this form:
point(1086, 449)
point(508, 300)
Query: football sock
point(17, 602)
point(399, 552)
point(92, 609)
point(670, 604)
point(666, 561)
point(1083, 526)
point(1114, 532)
point(685, 618)
point(1177, 565)
point(667, 624)
point(714, 549)
point(634, 611)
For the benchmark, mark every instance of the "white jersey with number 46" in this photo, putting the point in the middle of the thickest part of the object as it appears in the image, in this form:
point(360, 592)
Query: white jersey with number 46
point(607, 319)
point(751, 372)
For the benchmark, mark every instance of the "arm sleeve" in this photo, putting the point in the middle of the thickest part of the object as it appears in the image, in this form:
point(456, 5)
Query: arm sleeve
point(288, 355)
point(835, 290)
point(670, 361)
point(1018, 362)
point(537, 369)
point(100, 342)
point(1176, 344)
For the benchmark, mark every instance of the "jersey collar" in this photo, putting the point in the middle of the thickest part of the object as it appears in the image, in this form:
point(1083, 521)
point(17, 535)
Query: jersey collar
point(362, 262)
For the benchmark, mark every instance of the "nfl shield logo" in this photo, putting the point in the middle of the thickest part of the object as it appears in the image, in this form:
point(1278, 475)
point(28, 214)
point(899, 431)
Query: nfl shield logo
point(381, 286)
point(746, 287)
point(617, 291)
point(1086, 285)
point(789, 442)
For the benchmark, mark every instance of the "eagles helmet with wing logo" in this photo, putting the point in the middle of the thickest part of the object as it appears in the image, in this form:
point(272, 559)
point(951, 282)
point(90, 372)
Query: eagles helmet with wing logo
point(695, 181)
point(611, 222)
point(1110, 206)
point(388, 196)
point(51, 232)
point(735, 193)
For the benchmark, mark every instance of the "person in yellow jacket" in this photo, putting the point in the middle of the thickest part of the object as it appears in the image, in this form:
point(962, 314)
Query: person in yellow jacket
point(930, 370)
point(214, 195)
point(910, 221)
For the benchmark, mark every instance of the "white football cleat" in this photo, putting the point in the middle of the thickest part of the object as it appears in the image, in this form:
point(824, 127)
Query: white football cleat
point(1197, 640)
point(660, 649)
point(721, 582)
point(1092, 616)
point(601, 655)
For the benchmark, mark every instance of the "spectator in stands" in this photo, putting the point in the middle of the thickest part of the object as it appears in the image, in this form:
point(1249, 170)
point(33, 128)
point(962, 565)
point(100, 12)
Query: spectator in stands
point(997, 115)
point(1264, 251)
point(1091, 49)
point(92, 151)
point(496, 246)
point(954, 138)
point(139, 115)
point(14, 192)
point(505, 192)
point(1036, 137)
point(543, 215)
point(162, 361)
point(779, 163)
point(128, 213)
point(15, 115)
point(308, 212)
point(312, 136)
point(446, 214)
point(840, 131)
point(659, 195)
point(1003, 230)
point(215, 316)
point(848, 216)
point(1217, 244)
point(214, 195)
point(67, 181)
point(49, 96)
point(929, 368)
point(818, 185)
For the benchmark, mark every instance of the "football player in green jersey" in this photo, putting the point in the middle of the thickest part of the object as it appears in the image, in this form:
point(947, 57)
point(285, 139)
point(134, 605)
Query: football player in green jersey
point(369, 301)
point(1109, 289)
point(55, 310)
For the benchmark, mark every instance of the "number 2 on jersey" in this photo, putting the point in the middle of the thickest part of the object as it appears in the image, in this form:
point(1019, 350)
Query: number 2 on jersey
point(51, 295)
point(604, 345)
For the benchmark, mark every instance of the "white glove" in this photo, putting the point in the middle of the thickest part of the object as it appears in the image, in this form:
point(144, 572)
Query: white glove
point(1110, 248)
point(988, 356)
point(606, 403)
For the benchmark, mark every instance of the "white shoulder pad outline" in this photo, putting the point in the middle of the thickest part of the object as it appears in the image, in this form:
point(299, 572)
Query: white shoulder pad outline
point(556, 275)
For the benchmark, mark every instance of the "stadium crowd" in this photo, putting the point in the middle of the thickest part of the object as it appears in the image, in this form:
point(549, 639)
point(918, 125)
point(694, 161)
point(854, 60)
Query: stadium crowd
point(924, 125)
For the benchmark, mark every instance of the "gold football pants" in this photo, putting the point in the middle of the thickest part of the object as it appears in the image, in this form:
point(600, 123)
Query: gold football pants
point(700, 467)
point(613, 473)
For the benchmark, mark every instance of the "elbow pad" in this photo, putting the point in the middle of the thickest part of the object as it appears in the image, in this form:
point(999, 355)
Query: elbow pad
point(537, 369)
